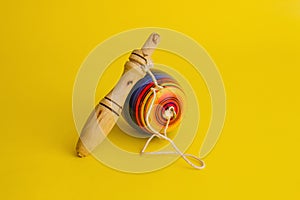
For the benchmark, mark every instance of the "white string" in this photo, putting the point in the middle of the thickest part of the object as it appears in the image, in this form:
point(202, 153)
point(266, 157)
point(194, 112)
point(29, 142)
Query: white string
point(169, 113)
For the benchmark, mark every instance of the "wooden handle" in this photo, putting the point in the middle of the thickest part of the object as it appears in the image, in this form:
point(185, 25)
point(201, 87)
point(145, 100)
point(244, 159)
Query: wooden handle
point(106, 113)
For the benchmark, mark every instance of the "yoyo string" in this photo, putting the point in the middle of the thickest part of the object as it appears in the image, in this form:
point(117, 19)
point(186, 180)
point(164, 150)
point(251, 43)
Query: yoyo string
point(169, 113)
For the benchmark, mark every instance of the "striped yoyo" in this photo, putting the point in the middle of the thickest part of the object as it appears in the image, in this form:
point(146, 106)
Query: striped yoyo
point(166, 101)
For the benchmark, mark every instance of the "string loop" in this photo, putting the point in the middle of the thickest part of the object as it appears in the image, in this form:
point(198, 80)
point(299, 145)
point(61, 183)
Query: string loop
point(169, 113)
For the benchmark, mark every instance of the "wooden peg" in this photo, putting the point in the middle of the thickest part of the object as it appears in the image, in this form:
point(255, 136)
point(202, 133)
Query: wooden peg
point(106, 113)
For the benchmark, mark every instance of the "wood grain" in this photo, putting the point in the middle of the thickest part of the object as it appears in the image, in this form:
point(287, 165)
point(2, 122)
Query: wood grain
point(106, 113)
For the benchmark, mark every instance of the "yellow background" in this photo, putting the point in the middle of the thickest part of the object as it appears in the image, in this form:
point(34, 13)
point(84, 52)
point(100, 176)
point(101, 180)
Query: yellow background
point(256, 46)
